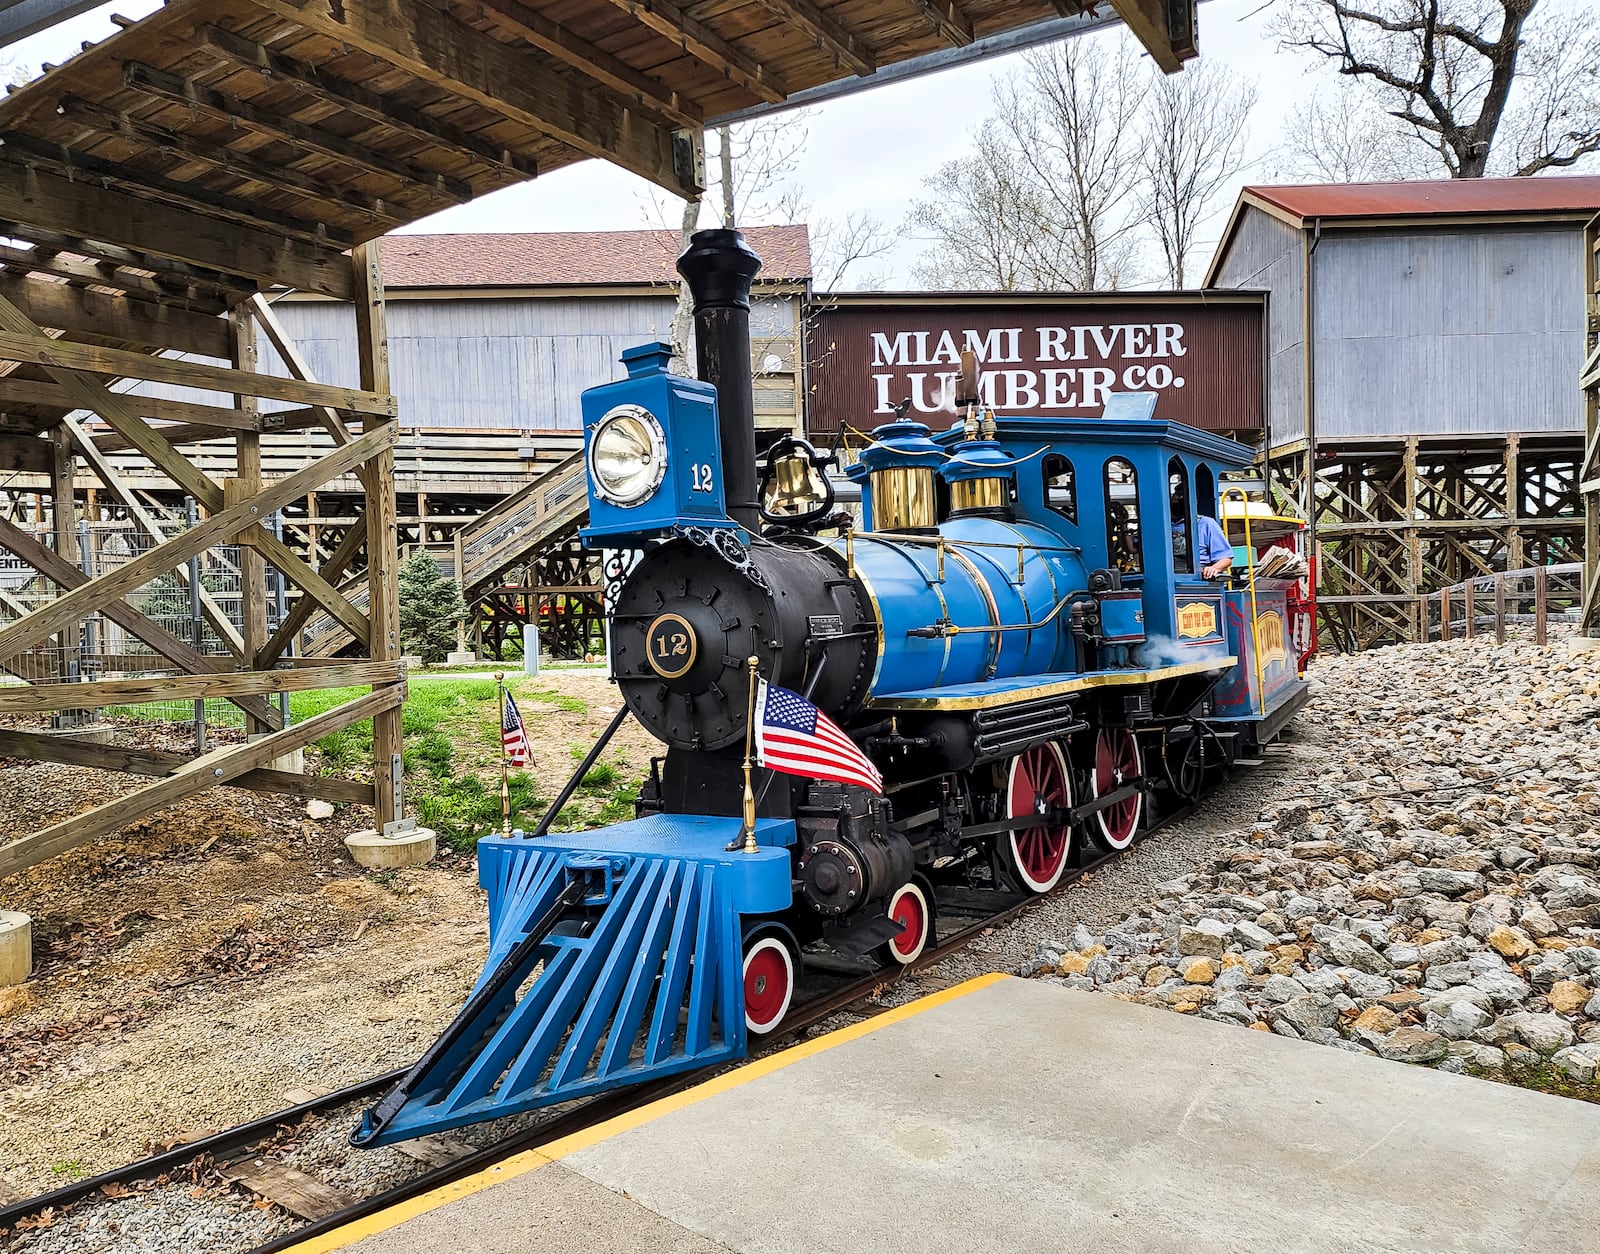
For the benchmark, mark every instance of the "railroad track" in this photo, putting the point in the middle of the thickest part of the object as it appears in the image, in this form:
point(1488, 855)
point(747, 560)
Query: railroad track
point(978, 911)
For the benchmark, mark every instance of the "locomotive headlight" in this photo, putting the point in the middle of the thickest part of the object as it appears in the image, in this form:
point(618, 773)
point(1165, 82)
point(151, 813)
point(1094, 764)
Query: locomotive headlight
point(627, 456)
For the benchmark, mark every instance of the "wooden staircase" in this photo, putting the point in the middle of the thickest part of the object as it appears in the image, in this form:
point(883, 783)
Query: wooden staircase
point(546, 512)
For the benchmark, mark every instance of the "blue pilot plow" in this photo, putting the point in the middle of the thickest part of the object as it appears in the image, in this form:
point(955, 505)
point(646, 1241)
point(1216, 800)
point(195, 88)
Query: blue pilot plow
point(614, 957)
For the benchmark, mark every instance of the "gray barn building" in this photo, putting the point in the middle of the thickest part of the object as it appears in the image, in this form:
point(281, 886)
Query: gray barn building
point(1423, 348)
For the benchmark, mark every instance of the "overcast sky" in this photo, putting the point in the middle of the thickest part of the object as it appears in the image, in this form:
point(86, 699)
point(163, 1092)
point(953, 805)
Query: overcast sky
point(866, 152)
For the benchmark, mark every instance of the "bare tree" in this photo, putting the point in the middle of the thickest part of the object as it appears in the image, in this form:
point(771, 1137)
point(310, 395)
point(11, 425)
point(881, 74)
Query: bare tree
point(1047, 199)
point(1478, 82)
point(1195, 127)
point(1348, 138)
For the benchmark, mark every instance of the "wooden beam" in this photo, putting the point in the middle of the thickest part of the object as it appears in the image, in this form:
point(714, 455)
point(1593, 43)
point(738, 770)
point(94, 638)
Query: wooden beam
point(440, 49)
point(383, 530)
point(164, 86)
point(163, 290)
point(26, 454)
point(704, 44)
point(319, 85)
point(1149, 22)
point(214, 530)
point(76, 163)
point(310, 581)
point(214, 613)
point(241, 165)
point(178, 652)
point(245, 483)
point(72, 751)
point(830, 34)
point(228, 285)
point(104, 692)
point(299, 367)
point(949, 20)
point(69, 308)
point(121, 363)
point(86, 210)
point(193, 432)
point(300, 612)
point(550, 36)
point(218, 767)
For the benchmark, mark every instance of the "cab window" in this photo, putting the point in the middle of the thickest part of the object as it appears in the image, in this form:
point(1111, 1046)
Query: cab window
point(1183, 544)
point(1124, 544)
point(1061, 486)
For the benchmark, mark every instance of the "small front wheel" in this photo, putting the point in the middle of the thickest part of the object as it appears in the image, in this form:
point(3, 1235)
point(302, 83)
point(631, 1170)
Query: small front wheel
point(768, 983)
point(909, 908)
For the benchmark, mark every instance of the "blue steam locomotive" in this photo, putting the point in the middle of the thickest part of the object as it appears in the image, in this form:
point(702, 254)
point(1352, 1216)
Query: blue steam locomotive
point(1016, 632)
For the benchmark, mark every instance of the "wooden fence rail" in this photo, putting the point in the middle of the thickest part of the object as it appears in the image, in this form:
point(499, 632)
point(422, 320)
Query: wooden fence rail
point(1536, 587)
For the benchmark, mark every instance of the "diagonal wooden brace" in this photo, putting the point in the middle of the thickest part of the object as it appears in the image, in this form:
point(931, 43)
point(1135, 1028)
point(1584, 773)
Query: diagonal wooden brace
point(176, 651)
point(111, 586)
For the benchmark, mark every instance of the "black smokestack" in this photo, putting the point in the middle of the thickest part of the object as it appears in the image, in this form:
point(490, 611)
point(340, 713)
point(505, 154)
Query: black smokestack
point(719, 267)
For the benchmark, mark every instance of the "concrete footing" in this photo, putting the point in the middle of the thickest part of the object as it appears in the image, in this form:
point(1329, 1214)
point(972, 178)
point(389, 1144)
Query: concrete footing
point(466, 658)
point(374, 849)
point(294, 762)
point(16, 947)
point(1582, 644)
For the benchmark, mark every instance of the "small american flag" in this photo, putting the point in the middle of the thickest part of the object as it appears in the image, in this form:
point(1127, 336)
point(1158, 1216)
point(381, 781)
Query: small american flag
point(513, 740)
point(795, 737)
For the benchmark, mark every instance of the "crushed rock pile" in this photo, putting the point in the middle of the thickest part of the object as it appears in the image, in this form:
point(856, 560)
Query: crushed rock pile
point(1430, 894)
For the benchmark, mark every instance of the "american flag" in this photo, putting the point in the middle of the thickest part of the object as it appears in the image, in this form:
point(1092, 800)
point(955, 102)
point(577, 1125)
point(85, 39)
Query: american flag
point(513, 740)
point(795, 737)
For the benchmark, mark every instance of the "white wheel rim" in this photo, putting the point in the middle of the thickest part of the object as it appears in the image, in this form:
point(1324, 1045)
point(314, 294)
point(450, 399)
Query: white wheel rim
point(768, 945)
point(911, 890)
point(1111, 840)
point(1018, 861)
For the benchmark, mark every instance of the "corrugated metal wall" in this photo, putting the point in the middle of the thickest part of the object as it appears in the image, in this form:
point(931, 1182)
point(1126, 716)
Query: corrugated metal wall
point(1267, 254)
point(1449, 332)
point(508, 363)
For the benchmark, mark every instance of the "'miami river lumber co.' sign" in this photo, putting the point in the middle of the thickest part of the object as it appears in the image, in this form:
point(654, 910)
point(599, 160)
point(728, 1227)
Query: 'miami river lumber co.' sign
point(1038, 355)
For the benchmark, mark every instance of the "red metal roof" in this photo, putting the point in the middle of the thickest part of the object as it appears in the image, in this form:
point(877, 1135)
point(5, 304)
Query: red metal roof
point(1554, 194)
point(571, 258)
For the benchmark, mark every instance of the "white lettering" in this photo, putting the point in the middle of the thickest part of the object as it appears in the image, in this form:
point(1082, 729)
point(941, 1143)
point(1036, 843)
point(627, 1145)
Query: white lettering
point(1105, 339)
point(986, 347)
point(1160, 376)
point(1097, 382)
point(1020, 390)
point(1169, 340)
point(1133, 378)
point(1052, 344)
point(885, 353)
point(946, 352)
point(1058, 393)
point(1136, 339)
point(882, 381)
point(1013, 337)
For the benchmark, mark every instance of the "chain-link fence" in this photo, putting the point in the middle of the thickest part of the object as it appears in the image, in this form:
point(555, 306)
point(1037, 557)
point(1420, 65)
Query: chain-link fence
point(200, 602)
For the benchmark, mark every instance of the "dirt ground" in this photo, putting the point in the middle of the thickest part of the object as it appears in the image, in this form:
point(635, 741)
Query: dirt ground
point(196, 966)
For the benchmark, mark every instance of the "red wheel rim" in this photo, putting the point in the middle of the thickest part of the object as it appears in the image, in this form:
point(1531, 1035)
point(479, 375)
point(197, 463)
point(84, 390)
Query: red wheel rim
point(911, 912)
point(1116, 762)
point(1038, 783)
point(767, 984)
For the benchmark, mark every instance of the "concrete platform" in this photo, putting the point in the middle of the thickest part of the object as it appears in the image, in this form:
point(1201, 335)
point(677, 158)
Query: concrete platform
point(1014, 1115)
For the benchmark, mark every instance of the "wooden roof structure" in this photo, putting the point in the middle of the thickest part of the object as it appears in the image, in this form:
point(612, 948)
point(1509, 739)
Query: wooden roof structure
point(156, 185)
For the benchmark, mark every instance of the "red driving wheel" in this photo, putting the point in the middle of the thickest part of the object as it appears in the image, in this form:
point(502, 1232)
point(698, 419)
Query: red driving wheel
point(1037, 782)
point(1117, 763)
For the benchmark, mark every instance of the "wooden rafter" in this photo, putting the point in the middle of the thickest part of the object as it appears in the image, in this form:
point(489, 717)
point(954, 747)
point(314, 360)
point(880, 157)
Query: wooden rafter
point(241, 165)
point(700, 41)
point(218, 767)
point(69, 308)
point(82, 271)
point(949, 19)
point(160, 84)
point(439, 49)
point(551, 37)
point(831, 35)
point(351, 98)
point(180, 273)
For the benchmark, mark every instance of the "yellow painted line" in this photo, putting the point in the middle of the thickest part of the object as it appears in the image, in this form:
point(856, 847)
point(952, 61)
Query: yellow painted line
point(531, 1160)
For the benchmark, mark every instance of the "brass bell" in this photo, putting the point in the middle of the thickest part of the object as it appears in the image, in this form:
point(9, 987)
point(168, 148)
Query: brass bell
point(795, 487)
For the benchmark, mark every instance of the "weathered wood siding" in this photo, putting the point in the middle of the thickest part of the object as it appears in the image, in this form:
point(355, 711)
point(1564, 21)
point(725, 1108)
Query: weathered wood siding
point(1446, 332)
point(1267, 254)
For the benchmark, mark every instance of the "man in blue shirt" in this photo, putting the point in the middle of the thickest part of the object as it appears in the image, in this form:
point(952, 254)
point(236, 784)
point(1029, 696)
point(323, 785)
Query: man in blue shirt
point(1212, 547)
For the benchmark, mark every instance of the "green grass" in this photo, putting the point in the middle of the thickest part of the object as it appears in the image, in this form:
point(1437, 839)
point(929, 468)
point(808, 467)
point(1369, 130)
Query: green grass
point(451, 752)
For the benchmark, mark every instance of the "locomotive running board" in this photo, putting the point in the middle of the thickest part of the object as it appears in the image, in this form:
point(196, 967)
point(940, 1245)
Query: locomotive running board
point(631, 939)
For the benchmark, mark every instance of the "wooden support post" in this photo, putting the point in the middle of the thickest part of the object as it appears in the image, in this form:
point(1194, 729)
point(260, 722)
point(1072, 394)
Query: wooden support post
point(1541, 598)
point(64, 525)
point(1500, 609)
point(1444, 613)
point(1472, 610)
point(1514, 547)
point(247, 460)
point(383, 605)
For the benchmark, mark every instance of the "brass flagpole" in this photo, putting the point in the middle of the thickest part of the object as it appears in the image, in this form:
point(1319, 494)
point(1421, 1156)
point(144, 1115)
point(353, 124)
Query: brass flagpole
point(749, 761)
point(505, 789)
